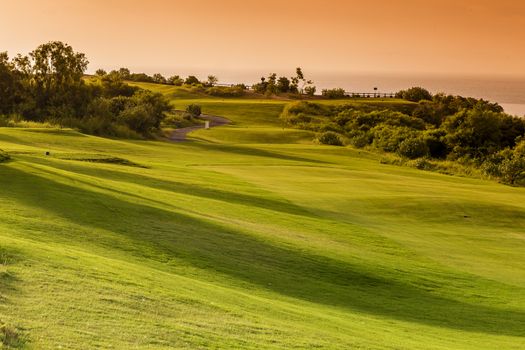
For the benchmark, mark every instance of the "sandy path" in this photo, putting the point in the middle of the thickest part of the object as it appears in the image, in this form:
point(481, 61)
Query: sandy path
point(179, 135)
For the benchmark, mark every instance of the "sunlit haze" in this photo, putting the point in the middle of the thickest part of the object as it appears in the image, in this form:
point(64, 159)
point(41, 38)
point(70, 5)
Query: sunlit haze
point(474, 37)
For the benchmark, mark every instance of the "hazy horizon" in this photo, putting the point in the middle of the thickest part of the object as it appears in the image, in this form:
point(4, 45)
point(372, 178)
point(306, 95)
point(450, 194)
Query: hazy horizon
point(473, 38)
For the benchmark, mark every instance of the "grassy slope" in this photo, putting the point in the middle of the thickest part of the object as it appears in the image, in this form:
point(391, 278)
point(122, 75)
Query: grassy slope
point(241, 243)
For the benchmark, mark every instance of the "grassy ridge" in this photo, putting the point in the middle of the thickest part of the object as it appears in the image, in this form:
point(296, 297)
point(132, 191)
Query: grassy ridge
point(251, 241)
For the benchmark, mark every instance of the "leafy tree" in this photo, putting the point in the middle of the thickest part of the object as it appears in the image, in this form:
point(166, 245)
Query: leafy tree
point(508, 165)
point(271, 86)
point(192, 80)
point(140, 77)
point(310, 90)
point(283, 85)
point(56, 67)
point(415, 94)
point(260, 87)
point(159, 78)
point(473, 133)
point(113, 85)
point(427, 111)
point(299, 82)
point(175, 80)
point(124, 73)
point(11, 86)
point(100, 72)
point(194, 110)
point(212, 80)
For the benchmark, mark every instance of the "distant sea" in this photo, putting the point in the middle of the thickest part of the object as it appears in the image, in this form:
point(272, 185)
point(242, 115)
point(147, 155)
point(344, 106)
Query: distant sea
point(509, 92)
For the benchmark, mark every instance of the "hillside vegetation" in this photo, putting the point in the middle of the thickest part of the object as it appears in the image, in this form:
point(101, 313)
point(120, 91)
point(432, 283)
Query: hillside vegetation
point(466, 131)
point(250, 237)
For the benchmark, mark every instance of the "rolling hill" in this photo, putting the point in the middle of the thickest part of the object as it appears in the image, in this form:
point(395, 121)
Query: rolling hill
point(249, 236)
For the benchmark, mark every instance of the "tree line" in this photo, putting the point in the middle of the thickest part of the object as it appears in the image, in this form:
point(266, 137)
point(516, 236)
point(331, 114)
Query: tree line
point(157, 78)
point(47, 85)
point(295, 85)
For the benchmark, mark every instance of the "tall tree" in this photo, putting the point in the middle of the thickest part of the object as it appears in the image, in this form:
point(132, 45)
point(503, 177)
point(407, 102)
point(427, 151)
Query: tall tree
point(57, 67)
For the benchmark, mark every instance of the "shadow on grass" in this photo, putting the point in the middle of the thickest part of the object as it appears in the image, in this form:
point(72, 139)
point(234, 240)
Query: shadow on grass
point(228, 251)
point(10, 337)
point(252, 152)
point(280, 205)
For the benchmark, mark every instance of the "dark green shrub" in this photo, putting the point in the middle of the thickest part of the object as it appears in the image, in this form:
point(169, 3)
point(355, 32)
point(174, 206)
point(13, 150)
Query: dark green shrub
point(474, 133)
point(333, 93)
point(436, 144)
point(192, 80)
point(427, 111)
point(327, 126)
point(194, 110)
point(388, 138)
point(507, 165)
point(413, 148)
point(415, 94)
point(360, 139)
point(139, 118)
point(330, 138)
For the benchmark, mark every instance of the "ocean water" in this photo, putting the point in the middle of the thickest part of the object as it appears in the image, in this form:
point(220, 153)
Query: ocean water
point(509, 92)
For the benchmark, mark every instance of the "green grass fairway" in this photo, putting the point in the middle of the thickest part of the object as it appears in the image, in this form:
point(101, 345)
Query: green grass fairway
point(250, 236)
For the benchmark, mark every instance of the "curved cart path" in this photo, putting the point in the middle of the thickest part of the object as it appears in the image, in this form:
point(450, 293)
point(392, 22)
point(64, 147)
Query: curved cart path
point(179, 135)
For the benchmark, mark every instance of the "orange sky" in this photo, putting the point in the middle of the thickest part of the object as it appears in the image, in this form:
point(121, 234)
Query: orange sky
point(434, 36)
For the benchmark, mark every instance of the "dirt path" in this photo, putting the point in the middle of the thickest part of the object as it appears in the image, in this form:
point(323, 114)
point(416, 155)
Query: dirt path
point(179, 135)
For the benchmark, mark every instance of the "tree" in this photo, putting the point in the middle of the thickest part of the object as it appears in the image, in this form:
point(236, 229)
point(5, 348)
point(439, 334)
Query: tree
point(260, 87)
point(113, 85)
point(194, 110)
point(192, 80)
point(212, 80)
point(299, 79)
point(473, 133)
point(57, 66)
point(124, 73)
point(283, 85)
point(11, 89)
point(159, 79)
point(100, 72)
point(415, 94)
point(175, 80)
point(271, 86)
point(56, 80)
point(310, 90)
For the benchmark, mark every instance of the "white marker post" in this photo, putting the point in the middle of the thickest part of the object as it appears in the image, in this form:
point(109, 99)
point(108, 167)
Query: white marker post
point(207, 124)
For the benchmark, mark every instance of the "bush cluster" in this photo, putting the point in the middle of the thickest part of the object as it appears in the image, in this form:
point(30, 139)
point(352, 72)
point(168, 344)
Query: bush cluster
point(333, 93)
point(458, 129)
point(330, 138)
